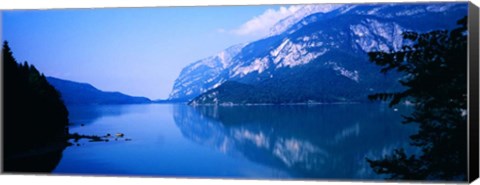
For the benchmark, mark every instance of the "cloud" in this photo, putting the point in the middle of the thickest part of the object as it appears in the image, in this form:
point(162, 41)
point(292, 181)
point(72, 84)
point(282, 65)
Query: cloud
point(260, 25)
point(268, 22)
point(221, 30)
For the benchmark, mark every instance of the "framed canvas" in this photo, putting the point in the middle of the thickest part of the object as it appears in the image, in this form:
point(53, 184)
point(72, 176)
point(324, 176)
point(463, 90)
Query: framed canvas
point(377, 92)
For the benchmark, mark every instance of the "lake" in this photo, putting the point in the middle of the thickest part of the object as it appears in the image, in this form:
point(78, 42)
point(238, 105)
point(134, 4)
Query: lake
point(328, 141)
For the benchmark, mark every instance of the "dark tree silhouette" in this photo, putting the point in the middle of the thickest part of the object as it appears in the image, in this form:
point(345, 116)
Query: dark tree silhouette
point(35, 118)
point(435, 68)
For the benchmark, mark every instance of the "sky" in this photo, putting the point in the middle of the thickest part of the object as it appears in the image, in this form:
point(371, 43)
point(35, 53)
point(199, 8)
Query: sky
point(136, 51)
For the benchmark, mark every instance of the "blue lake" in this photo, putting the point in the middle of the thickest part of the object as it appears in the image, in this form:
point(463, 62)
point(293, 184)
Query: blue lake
point(268, 142)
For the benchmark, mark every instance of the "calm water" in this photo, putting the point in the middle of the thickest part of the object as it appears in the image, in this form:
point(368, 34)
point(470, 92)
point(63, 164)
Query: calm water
point(172, 140)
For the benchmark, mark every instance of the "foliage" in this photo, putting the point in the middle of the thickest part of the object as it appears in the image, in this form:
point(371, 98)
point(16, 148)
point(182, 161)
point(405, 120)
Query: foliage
point(34, 115)
point(435, 68)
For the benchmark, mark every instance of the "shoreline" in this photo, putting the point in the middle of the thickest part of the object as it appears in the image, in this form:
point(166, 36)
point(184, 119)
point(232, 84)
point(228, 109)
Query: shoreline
point(272, 104)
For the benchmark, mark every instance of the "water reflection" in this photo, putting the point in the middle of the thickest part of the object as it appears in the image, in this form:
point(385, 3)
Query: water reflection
point(87, 114)
point(40, 160)
point(320, 141)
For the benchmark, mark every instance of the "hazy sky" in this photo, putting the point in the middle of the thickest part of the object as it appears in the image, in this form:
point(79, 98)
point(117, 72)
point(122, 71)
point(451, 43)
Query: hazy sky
point(137, 51)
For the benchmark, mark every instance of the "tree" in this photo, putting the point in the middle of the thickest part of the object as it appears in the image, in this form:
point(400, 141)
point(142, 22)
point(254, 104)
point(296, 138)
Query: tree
point(35, 118)
point(435, 68)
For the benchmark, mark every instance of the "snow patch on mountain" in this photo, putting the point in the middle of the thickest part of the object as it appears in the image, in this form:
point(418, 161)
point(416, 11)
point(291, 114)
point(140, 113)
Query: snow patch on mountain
point(373, 35)
point(287, 54)
point(258, 65)
point(292, 55)
point(353, 75)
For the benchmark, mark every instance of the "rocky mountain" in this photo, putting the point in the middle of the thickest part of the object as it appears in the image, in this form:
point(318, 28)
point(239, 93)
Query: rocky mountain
point(83, 93)
point(203, 75)
point(320, 58)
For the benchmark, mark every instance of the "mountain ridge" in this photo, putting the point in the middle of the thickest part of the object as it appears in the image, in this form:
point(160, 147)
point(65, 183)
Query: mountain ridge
point(329, 51)
point(74, 93)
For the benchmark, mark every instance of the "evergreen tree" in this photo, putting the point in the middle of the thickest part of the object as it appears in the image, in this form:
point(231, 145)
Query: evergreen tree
point(435, 68)
point(35, 118)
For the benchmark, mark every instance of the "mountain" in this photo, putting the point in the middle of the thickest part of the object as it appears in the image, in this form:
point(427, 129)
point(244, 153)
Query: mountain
point(83, 93)
point(320, 58)
point(203, 75)
point(231, 91)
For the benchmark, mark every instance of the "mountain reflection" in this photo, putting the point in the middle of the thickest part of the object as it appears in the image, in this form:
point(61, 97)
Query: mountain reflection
point(305, 141)
point(87, 114)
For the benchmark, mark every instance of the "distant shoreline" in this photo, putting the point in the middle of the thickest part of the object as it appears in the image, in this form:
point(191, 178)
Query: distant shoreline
point(240, 104)
point(272, 104)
